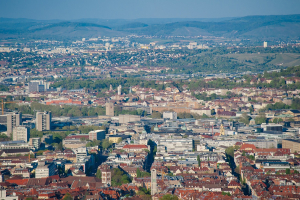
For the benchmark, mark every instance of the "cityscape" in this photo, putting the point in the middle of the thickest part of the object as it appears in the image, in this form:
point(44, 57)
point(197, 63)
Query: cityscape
point(154, 107)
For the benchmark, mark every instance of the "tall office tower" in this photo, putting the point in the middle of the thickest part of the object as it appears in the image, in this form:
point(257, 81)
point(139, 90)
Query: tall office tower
point(110, 109)
point(13, 120)
point(43, 121)
point(38, 86)
point(265, 44)
point(21, 133)
point(153, 182)
point(119, 89)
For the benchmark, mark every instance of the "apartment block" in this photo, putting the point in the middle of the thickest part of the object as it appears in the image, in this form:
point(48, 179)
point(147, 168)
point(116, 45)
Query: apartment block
point(13, 120)
point(43, 121)
point(21, 133)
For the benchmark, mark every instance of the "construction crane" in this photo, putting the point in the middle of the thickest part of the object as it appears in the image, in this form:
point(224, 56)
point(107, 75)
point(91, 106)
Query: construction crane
point(5, 103)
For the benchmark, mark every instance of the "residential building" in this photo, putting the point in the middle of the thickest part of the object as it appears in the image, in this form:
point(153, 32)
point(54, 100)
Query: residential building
point(35, 142)
point(123, 119)
point(153, 182)
point(3, 195)
point(44, 170)
point(110, 109)
point(43, 121)
point(13, 120)
point(293, 145)
point(97, 135)
point(105, 174)
point(21, 133)
point(169, 115)
point(80, 153)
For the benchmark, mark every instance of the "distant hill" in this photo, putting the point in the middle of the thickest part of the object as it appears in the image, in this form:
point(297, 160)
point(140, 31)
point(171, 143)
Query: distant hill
point(261, 27)
point(250, 27)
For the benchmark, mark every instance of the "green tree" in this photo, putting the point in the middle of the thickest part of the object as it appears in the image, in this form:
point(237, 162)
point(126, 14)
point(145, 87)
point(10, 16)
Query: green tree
point(60, 146)
point(98, 174)
point(288, 171)
point(156, 115)
point(169, 197)
point(199, 160)
point(106, 143)
point(251, 109)
point(226, 193)
point(245, 118)
point(261, 118)
point(138, 173)
point(68, 197)
point(212, 112)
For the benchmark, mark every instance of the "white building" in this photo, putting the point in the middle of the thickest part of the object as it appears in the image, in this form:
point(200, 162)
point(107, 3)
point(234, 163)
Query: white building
point(119, 90)
point(169, 115)
point(43, 121)
point(81, 153)
point(202, 111)
point(183, 144)
point(44, 171)
point(4, 196)
point(21, 133)
point(13, 120)
point(265, 44)
point(35, 142)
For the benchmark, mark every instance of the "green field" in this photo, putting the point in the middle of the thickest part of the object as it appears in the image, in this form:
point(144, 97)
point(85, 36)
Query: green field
point(270, 59)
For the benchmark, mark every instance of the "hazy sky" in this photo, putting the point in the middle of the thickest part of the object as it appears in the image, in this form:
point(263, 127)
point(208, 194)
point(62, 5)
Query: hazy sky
point(132, 9)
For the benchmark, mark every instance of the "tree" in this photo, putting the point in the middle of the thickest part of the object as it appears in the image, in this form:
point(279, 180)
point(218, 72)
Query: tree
point(288, 171)
point(169, 197)
point(212, 112)
point(251, 109)
point(106, 143)
point(199, 160)
point(245, 118)
point(138, 173)
point(226, 193)
point(67, 197)
point(119, 140)
point(261, 118)
point(98, 174)
point(93, 143)
point(60, 146)
point(118, 177)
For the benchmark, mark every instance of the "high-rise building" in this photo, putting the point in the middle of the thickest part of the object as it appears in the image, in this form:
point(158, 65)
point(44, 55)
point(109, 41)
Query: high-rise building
point(13, 120)
point(265, 44)
point(21, 133)
point(38, 86)
point(119, 90)
point(110, 109)
point(153, 182)
point(43, 121)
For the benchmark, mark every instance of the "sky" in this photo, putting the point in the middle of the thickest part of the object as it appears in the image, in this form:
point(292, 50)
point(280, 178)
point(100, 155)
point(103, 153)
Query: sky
point(134, 9)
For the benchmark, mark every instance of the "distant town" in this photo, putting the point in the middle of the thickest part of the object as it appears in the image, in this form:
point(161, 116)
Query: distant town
point(115, 118)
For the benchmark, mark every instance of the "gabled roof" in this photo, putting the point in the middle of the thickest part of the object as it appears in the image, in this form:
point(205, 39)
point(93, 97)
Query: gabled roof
point(135, 146)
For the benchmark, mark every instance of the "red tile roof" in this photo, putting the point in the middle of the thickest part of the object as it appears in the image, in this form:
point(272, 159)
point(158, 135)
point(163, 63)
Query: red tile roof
point(135, 146)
